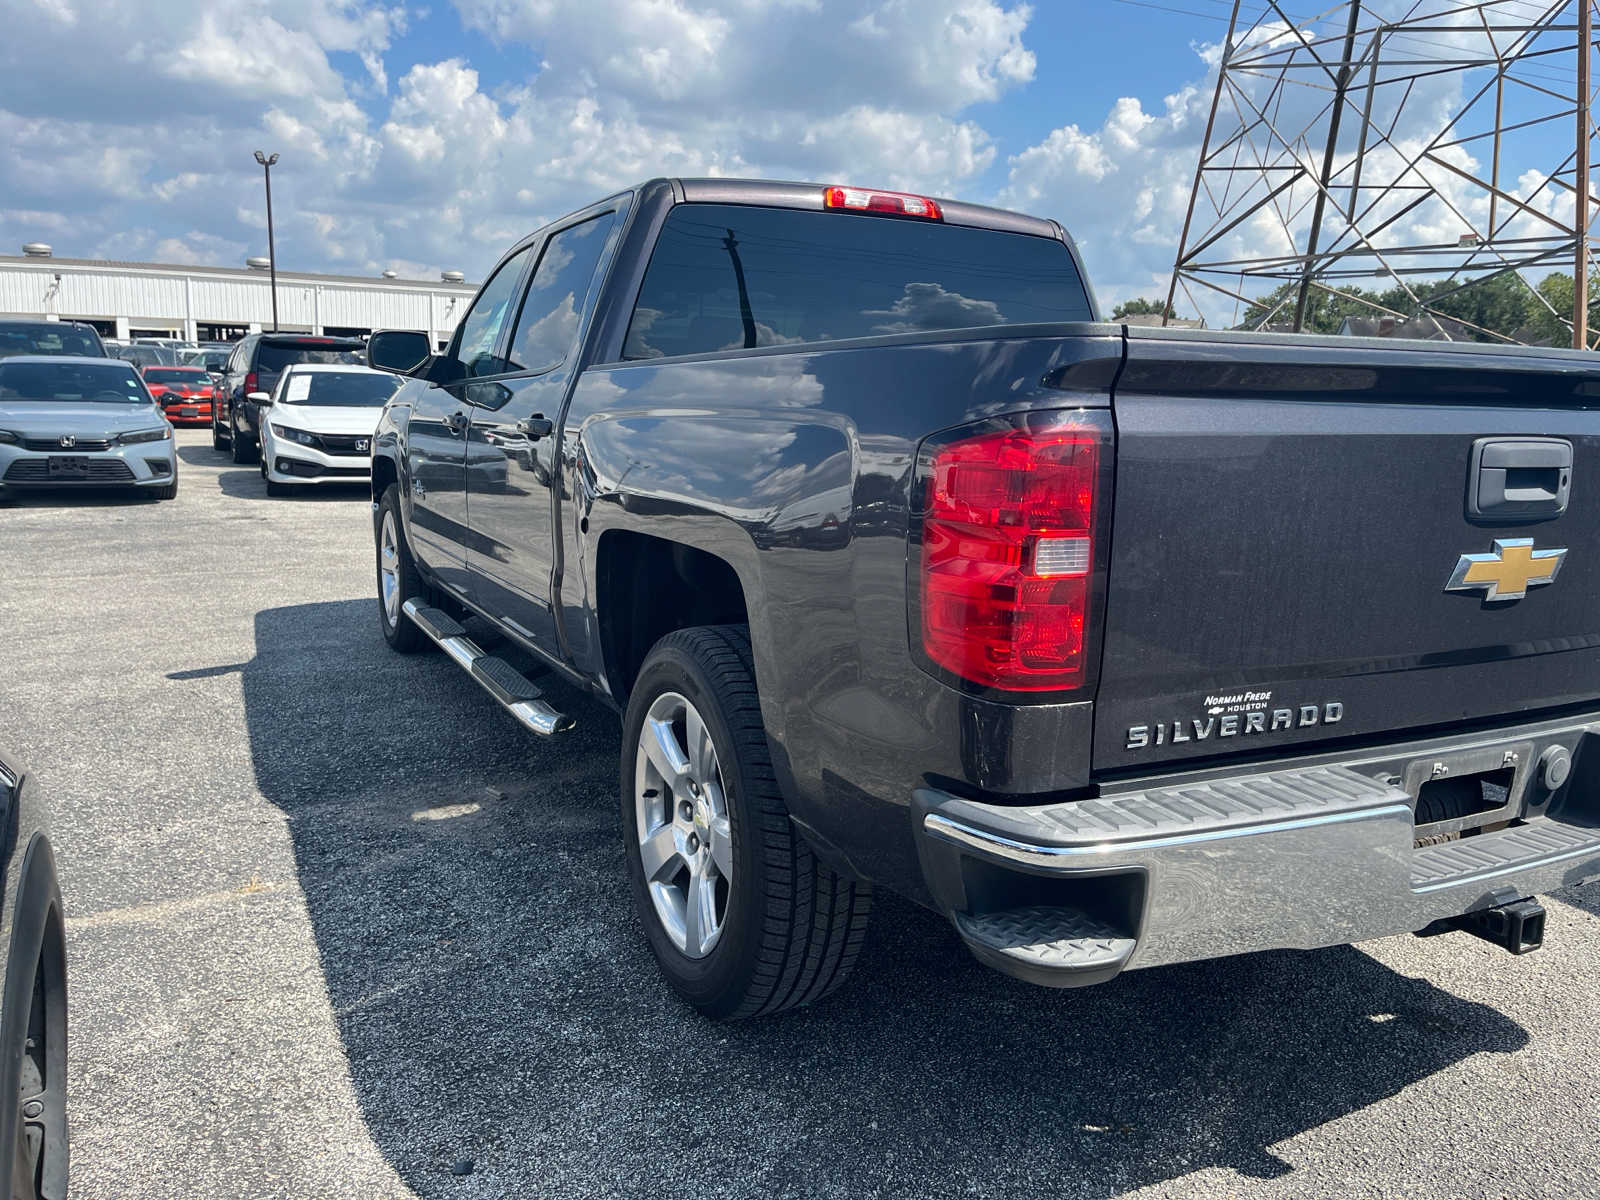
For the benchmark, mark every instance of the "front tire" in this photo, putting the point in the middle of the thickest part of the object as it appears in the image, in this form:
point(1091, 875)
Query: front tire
point(274, 488)
point(742, 917)
point(398, 578)
point(170, 492)
point(33, 1048)
point(216, 432)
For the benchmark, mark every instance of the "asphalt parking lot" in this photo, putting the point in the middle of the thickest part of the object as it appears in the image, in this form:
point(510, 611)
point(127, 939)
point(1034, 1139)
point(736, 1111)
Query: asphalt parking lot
point(337, 927)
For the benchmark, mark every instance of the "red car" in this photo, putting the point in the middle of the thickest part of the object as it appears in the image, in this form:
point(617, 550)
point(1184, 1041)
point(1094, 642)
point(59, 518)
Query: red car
point(184, 393)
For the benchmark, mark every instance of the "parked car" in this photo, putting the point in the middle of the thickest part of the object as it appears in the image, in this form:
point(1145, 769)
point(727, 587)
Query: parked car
point(33, 1004)
point(319, 424)
point(184, 393)
point(146, 356)
point(75, 422)
point(253, 366)
point(171, 343)
point(1118, 646)
point(49, 337)
point(210, 359)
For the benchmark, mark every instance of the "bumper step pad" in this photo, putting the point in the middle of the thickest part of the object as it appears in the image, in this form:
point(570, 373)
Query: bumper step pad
point(1056, 946)
point(1490, 854)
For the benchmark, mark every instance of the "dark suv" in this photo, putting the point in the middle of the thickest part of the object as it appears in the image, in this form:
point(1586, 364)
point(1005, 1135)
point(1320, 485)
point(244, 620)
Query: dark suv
point(254, 366)
point(50, 337)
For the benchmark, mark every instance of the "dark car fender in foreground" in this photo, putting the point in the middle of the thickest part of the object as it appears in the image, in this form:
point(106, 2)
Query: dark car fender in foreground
point(33, 1002)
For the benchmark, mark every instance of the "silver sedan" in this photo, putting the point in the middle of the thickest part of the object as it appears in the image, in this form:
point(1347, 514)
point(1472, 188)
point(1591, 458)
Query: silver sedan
point(75, 422)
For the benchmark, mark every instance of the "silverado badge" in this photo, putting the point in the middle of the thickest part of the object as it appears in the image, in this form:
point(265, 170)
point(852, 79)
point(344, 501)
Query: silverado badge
point(1508, 572)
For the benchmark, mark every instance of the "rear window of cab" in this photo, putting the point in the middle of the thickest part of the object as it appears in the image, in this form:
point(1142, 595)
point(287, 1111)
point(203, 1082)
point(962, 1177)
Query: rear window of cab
point(728, 277)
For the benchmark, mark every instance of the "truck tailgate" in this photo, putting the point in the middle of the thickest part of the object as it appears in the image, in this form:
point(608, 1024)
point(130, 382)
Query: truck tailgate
point(1289, 515)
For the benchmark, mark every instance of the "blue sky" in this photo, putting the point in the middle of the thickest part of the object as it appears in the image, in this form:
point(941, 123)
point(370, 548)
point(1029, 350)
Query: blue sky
point(427, 137)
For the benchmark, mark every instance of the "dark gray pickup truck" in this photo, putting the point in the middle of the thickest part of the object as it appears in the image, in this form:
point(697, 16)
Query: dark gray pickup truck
point(1118, 646)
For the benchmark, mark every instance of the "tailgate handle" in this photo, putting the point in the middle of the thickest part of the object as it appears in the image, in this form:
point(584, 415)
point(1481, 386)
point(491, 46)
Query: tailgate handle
point(1518, 479)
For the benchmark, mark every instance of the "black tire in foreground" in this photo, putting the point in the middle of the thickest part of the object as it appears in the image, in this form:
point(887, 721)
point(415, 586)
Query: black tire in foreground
point(216, 432)
point(398, 578)
point(788, 928)
point(33, 1007)
point(170, 492)
point(240, 447)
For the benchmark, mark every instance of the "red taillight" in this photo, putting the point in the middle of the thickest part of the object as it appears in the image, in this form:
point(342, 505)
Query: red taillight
point(866, 200)
point(250, 383)
point(1008, 552)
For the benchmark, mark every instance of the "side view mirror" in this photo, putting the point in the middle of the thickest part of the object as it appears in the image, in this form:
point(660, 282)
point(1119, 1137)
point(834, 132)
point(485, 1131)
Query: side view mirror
point(398, 351)
point(259, 398)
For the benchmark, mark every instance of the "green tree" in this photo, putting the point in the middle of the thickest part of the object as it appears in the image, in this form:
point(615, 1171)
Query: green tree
point(1496, 304)
point(1325, 311)
point(1555, 328)
point(1139, 307)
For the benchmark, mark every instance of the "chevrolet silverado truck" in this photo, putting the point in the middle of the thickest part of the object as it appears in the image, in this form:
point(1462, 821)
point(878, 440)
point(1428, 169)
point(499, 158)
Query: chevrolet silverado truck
point(1117, 646)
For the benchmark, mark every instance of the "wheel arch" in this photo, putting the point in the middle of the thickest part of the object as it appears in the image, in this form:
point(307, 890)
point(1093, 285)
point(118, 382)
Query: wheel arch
point(647, 586)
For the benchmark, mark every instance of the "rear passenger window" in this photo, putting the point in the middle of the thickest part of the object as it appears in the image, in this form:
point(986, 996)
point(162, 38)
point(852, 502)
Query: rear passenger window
point(726, 277)
point(554, 303)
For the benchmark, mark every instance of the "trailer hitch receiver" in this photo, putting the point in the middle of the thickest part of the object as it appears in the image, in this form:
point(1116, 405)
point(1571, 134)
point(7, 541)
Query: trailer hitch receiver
point(1517, 925)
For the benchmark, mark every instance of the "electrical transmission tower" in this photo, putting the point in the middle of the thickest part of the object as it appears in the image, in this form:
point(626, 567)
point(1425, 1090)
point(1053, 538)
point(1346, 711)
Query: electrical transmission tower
point(1396, 142)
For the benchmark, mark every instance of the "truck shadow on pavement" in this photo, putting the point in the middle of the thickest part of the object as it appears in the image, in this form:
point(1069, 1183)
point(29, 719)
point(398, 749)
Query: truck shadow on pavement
point(496, 1001)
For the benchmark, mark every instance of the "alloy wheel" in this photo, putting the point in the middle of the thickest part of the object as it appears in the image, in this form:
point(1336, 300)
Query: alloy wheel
point(389, 569)
point(685, 837)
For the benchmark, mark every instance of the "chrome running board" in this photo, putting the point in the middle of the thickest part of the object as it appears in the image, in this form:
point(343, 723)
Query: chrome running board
point(515, 692)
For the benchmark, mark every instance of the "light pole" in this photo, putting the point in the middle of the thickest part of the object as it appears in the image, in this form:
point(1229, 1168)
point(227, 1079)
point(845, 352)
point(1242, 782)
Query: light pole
point(272, 254)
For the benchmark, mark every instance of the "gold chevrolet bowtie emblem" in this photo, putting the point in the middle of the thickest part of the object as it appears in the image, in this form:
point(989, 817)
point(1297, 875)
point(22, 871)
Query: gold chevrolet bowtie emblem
point(1508, 572)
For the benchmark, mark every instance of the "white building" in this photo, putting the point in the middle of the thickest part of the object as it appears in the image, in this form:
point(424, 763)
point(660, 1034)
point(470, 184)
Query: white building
point(126, 299)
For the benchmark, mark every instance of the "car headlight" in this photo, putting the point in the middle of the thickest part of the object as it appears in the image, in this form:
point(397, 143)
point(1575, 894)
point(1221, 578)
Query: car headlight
point(291, 434)
point(146, 435)
point(7, 436)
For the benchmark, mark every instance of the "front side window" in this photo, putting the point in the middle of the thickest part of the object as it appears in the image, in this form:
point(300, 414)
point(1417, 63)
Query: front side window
point(481, 328)
point(71, 383)
point(554, 305)
point(729, 277)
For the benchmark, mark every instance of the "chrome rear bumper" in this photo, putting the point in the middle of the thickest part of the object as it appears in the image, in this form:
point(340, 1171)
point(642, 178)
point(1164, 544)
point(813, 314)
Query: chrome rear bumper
point(1319, 855)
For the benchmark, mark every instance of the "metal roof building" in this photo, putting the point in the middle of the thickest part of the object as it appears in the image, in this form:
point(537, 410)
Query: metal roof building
point(128, 299)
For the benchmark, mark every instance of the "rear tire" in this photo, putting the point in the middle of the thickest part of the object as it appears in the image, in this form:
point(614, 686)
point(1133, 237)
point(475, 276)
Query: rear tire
point(787, 927)
point(216, 434)
point(241, 447)
point(398, 578)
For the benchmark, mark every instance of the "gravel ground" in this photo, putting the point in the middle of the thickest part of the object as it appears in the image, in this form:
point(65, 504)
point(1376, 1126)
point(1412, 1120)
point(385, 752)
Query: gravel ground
point(337, 926)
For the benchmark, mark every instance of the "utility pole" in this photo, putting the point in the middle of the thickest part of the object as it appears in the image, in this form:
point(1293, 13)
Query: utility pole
point(272, 253)
point(1580, 195)
point(1341, 86)
point(746, 317)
